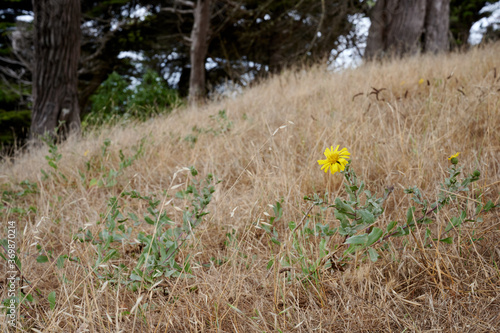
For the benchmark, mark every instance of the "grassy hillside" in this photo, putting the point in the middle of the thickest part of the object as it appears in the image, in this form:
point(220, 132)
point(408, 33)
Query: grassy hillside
point(106, 244)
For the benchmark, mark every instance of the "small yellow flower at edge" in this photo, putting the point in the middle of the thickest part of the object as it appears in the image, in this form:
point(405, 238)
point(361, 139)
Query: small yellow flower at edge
point(453, 156)
point(336, 160)
point(420, 81)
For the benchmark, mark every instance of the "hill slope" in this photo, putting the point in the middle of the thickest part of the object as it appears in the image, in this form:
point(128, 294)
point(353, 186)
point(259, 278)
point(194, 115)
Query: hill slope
point(248, 271)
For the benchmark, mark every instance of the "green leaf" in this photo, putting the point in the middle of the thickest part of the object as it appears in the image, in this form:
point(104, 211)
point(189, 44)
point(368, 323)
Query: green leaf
point(53, 164)
point(391, 225)
point(448, 240)
point(400, 231)
point(270, 264)
point(410, 215)
point(343, 207)
point(425, 220)
point(374, 236)
point(52, 300)
point(275, 241)
point(366, 216)
point(111, 253)
point(135, 277)
point(323, 251)
point(278, 210)
point(291, 225)
point(479, 209)
point(60, 261)
point(41, 259)
point(428, 234)
point(344, 221)
point(357, 240)
point(235, 309)
point(361, 187)
point(133, 217)
point(266, 228)
point(149, 220)
point(29, 298)
point(489, 205)
point(373, 254)
point(455, 221)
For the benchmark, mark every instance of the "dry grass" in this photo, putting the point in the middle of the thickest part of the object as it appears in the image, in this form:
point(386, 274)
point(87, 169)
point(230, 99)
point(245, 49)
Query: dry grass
point(398, 137)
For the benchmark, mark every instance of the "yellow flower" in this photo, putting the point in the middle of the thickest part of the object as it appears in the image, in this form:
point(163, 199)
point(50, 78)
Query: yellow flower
point(86, 153)
point(420, 81)
point(453, 156)
point(335, 160)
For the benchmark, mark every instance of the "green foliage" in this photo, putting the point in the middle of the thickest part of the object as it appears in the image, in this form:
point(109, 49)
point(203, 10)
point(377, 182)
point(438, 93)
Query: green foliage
point(269, 227)
point(108, 177)
point(115, 100)
point(422, 215)
point(360, 226)
point(52, 300)
point(450, 188)
point(463, 14)
point(160, 248)
point(52, 160)
point(110, 99)
point(11, 200)
point(153, 92)
point(8, 95)
point(218, 124)
point(160, 245)
point(15, 118)
point(14, 125)
point(160, 240)
point(223, 124)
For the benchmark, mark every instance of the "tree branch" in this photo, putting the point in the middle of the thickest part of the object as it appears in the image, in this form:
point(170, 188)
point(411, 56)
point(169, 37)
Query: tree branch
point(180, 11)
point(11, 73)
point(185, 3)
point(177, 11)
point(11, 61)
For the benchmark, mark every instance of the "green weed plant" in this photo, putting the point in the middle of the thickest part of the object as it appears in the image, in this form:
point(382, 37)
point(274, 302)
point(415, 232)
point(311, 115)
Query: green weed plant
point(360, 226)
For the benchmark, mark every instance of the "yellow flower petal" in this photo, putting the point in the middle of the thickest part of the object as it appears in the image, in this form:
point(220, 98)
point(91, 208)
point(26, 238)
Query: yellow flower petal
point(336, 160)
point(334, 168)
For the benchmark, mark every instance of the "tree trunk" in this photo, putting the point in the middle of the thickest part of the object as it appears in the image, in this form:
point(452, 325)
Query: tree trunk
point(437, 24)
point(406, 27)
point(375, 43)
point(198, 52)
point(57, 51)
point(401, 27)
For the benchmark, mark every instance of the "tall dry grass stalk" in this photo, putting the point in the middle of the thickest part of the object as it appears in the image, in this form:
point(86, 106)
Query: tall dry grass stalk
point(400, 133)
